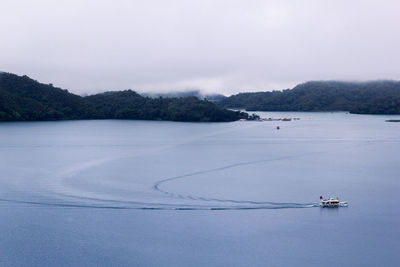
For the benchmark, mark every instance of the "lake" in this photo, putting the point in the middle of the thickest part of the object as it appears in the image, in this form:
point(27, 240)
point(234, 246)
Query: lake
point(152, 193)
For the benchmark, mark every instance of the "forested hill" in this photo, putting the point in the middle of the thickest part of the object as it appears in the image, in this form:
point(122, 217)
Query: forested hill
point(130, 105)
point(377, 97)
point(196, 93)
point(24, 99)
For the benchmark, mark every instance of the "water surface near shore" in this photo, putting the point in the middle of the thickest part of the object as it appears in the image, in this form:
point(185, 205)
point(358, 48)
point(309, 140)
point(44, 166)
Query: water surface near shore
point(176, 194)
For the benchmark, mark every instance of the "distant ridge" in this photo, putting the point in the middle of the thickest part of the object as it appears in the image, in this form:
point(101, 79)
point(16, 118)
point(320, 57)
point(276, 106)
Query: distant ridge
point(196, 93)
point(24, 99)
point(372, 97)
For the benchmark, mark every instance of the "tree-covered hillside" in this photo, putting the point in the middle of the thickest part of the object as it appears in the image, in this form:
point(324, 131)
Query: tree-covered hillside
point(130, 105)
point(24, 99)
point(196, 93)
point(377, 97)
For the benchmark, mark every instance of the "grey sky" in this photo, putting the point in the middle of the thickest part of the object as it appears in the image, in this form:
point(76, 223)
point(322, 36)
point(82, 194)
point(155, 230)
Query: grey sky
point(217, 46)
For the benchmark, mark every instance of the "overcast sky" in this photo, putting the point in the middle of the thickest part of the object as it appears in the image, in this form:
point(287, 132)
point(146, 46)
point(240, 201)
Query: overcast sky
point(222, 46)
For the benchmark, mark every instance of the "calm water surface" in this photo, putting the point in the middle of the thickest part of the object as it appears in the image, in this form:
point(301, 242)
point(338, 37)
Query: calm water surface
point(143, 193)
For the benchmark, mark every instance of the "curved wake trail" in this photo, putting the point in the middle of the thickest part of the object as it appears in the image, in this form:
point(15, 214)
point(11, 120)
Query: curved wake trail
point(240, 204)
point(234, 204)
point(189, 202)
point(144, 206)
point(197, 202)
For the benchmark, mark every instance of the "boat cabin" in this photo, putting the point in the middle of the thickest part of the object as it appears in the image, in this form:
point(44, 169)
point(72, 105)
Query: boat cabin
point(331, 203)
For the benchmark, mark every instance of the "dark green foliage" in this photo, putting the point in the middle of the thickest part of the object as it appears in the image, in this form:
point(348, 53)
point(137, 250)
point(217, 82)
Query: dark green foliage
point(24, 99)
point(130, 105)
point(196, 93)
point(378, 97)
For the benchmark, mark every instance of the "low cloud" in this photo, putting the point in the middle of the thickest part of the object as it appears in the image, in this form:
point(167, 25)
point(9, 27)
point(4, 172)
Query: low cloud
point(215, 46)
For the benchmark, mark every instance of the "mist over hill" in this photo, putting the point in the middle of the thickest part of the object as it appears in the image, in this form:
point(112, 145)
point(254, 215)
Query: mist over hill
point(24, 99)
point(196, 93)
point(374, 97)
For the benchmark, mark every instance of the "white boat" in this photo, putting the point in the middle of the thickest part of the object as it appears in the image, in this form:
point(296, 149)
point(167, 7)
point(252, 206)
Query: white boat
point(332, 203)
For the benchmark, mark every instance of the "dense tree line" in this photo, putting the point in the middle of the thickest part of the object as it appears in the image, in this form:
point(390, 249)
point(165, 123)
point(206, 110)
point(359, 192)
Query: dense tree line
point(196, 93)
point(377, 97)
point(130, 105)
point(24, 99)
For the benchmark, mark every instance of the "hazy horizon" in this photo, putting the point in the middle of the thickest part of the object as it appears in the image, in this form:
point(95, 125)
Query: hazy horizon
point(222, 47)
point(196, 90)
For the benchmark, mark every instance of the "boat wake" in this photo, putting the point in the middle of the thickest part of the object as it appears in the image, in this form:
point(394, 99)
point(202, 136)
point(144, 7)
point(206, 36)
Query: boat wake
point(121, 205)
point(225, 204)
point(163, 200)
point(166, 201)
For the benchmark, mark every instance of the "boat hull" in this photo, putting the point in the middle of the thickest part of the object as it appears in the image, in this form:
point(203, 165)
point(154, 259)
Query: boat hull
point(333, 205)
